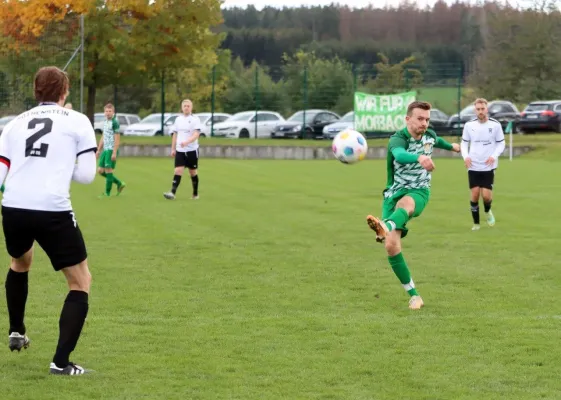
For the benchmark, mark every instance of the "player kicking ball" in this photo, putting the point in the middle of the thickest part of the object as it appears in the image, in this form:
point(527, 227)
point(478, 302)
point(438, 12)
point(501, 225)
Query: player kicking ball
point(408, 188)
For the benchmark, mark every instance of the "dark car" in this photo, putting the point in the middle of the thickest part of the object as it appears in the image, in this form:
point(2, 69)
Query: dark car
point(306, 124)
point(501, 110)
point(541, 116)
point(438, 120)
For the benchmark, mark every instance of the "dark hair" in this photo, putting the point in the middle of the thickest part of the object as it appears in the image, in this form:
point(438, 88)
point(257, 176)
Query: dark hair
point(50, 84)
point(423, 105)
point(109, 105)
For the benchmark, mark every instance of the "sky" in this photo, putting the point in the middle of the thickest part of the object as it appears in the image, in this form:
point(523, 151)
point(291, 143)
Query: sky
point(351, 3)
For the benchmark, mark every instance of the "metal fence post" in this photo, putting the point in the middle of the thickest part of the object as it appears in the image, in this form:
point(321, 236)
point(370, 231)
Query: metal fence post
point(305, 83)
point(163, 100)
point(407, 82)
point(256, 97)
point(459, 98)
point(355, 85)
point(82, 63)
point(115, 97)
point(212, 98)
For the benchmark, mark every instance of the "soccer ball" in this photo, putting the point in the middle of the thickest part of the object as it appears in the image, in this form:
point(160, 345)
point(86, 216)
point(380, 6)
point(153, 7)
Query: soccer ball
point(349, 146)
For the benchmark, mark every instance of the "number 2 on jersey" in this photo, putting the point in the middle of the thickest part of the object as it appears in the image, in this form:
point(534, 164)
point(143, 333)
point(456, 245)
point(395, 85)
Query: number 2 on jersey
point(40, 151)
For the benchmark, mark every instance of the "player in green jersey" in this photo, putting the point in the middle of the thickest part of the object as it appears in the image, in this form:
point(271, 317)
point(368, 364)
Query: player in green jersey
point(407, 191)
point(108, 150)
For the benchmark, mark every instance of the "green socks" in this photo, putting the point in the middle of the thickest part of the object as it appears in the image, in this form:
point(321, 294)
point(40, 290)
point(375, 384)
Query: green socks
point(117, 181)
point(397, 219)
point(2, 188)
point(108, 183)
point(401, 270)
point(109, 180)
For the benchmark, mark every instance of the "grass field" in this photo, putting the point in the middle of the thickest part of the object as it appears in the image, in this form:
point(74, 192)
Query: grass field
point(538, 139)
point(271, 287)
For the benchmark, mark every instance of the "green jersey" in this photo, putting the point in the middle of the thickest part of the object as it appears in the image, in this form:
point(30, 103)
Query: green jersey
point(110, 128)
point(410, 175)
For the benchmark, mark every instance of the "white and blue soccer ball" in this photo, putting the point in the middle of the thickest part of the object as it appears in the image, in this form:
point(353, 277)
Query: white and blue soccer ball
point(349, 146)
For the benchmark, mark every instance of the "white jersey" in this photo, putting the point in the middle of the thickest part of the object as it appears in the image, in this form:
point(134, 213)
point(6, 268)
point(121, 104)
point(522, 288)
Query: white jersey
point(185, 127)
point(485, 140)
point(40, 147)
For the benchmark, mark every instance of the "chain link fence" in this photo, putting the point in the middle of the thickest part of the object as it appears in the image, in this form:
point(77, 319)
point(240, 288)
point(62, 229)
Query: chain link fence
point(58, 45)
point(260, 97)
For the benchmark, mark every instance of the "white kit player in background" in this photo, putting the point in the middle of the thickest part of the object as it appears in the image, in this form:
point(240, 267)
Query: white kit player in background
point(483, 141)
point(185, 132)
point(41, 151)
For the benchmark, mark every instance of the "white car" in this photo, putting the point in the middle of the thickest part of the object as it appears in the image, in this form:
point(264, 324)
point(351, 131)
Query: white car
point(124, 121)
point(206, 121)
point(244, 124)
point(331, 130)
point(152, 125)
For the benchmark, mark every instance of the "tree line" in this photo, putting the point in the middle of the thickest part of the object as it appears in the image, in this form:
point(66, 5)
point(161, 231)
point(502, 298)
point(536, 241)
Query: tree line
point(142, 53)
point(445, 34)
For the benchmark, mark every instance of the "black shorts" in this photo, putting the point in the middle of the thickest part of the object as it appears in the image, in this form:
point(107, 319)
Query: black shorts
point(482, 179)
point(57, 233)
point(189, 159)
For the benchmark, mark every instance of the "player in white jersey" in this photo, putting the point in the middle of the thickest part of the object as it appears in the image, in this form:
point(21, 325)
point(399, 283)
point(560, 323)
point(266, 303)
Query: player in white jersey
point(185, 148)
point(483, 141)
point(41, 151)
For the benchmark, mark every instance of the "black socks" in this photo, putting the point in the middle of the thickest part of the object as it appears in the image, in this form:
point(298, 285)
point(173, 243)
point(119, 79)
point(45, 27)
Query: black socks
point(71, 321)
point(475, 212)
point(195, 182)
point(16, 297)
point(175, 184)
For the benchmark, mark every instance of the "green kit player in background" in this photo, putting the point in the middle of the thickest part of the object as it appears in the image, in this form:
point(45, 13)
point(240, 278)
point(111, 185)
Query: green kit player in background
point(108, 150)
point(407, 191)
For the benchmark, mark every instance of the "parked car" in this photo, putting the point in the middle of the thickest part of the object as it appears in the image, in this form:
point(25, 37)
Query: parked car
point(541, 116)
point(124, 121)
point(244, 124)
point(306, 124)
point(331, 130)
point(501, 110)
point(151, 125)
point(438, 120)
point(206, 121)
point(4, 121)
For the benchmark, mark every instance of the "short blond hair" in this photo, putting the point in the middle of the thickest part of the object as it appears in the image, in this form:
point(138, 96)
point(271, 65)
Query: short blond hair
point(185, 101)
point(480, 100)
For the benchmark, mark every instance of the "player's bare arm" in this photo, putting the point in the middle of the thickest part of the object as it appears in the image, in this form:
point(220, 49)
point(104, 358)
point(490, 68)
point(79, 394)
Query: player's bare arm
point(173, 143)
point(194, 137)
point(99, 147)
point(116, 146)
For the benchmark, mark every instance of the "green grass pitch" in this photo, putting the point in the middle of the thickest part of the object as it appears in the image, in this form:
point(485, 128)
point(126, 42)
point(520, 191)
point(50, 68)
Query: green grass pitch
point(271, 286)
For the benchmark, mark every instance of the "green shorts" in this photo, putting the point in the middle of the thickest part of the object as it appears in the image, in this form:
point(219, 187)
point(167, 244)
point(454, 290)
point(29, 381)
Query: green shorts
point(420, 196)
point(105, 159)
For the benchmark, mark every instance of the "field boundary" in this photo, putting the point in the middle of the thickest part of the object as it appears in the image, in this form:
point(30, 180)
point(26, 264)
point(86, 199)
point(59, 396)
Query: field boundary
point(276, 152)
